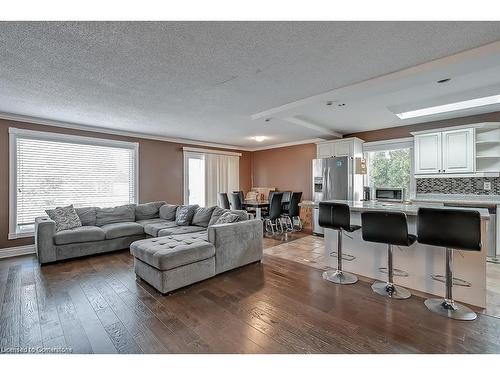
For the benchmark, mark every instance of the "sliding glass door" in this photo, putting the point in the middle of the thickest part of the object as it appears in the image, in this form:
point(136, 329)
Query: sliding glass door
point(194, 178)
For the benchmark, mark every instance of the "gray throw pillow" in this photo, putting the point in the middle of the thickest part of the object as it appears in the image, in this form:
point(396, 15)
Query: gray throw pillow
point(202, 216)
point(87, 215)
point(118, 214)
point(64, 217)
point(218, 212)
point(149, 210)
point(228, 217)
point(168, 211)
point(185, 214)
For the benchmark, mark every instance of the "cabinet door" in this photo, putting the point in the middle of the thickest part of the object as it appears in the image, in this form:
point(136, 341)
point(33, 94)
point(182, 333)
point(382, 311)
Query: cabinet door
point(428, 153)
point(342, 148)
point(325, 150)
point(458, 151)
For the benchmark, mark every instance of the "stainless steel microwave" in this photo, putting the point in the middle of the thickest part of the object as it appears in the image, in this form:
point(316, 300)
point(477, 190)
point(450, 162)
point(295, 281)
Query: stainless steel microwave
point(390, 194)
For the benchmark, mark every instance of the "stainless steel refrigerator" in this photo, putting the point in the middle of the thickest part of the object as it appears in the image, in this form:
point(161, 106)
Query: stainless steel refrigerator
point(334, 178)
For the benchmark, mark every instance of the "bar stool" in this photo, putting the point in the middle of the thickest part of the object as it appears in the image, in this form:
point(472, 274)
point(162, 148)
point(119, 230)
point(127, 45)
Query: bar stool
point(337, 216)
point(390, 228)
point(451, 229)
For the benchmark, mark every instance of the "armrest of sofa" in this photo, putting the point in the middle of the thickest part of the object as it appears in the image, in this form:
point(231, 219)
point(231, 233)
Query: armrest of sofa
point(45, 229)
point(236, 244)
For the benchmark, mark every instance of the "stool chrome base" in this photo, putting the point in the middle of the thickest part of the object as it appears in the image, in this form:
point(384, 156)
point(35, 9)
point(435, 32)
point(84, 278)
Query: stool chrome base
point(340, 277)
point(450, 309)
point(390, 290)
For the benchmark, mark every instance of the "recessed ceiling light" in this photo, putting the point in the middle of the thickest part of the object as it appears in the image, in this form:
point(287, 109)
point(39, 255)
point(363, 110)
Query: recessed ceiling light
point(259, 138)
point(457, 106)
point(329, 102)
point(444, 80)
point(267, 119)
point(341, 105)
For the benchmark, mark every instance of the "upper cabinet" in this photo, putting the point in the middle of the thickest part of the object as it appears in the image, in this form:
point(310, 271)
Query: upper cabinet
point(445, 152)
point(352, 147)
point(471, 150)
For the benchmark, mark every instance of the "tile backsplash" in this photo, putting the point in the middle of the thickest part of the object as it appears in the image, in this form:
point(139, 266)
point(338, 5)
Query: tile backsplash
point(472, 185)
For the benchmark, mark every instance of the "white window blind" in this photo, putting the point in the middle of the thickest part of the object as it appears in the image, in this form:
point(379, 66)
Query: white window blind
point(56, 170)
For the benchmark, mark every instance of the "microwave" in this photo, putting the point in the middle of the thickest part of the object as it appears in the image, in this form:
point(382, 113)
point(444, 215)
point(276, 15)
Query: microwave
point(390, 194)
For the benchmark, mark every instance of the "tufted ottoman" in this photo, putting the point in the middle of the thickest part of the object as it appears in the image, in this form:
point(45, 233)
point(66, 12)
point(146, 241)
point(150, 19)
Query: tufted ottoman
point(171, 262)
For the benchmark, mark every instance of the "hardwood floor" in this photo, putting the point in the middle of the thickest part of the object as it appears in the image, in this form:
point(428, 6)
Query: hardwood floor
point(95, 305)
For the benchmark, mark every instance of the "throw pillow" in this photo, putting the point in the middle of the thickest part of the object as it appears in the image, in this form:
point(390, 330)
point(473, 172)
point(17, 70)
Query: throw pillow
point(185, 214)
point(218, 212)
point(228, 217)
point(202, 216)
point(168, 211)
point(64, 217)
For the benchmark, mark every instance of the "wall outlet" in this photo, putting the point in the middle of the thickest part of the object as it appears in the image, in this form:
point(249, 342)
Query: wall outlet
point(487, 185)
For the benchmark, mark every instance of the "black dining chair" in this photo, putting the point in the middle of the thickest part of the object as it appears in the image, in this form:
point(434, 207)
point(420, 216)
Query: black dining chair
point(293, 212)
point(235, 201)
point(273, 218)
point(223, 201)
point(242, 197)
point(285, 201)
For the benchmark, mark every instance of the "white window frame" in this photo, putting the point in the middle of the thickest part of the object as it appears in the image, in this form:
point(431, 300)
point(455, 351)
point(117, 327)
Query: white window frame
point(189, 155)
point(15, 133)
point(394, 144)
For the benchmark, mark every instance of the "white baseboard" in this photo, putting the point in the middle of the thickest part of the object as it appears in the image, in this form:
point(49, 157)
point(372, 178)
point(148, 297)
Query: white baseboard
point(17, 251)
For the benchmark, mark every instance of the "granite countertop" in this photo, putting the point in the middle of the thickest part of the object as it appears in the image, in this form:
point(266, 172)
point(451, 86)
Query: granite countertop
point(409, 209)
point(465, 199)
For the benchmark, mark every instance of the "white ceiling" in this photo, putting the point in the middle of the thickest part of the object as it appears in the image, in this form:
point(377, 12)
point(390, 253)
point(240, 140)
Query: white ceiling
point(204, 80)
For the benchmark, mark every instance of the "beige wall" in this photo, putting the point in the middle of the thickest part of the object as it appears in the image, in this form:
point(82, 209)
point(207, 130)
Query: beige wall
point(160, 170)
point(285, 168)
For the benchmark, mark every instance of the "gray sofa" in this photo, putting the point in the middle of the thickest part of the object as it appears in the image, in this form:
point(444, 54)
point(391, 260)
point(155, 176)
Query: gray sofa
point(109, 229)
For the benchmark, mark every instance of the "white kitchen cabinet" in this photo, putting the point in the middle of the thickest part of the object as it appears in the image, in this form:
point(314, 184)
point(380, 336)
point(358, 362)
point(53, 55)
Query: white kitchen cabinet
point(458, 151)
point(352, 147)
point(445, 152)
point(428, 153)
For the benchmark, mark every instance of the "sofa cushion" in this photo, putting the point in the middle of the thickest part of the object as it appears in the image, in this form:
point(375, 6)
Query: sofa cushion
point(149, 210)
point(218, 212)
point(168, 253)
point(180, 229)
point(153, 228)
point(184, 214)
point(78, 235)
point(167, 211)
point(228, 217)
point(117, 230)
point(202, 216)
point(64, 217)
point(118, 214)
point(149, 221)
point(87, 215)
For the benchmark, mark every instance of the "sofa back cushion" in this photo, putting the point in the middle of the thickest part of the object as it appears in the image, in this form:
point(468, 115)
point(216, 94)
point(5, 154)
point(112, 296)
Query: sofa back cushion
point(87, 215)
point(184, 214)
point(149, 210)
point(64, 217)
point(118, 214)
point(168, 211)
point(202, 216)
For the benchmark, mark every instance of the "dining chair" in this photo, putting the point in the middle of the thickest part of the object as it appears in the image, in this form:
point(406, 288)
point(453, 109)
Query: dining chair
point(223, 201)
point(293, 212)
point(273, 218)
point(235, 201)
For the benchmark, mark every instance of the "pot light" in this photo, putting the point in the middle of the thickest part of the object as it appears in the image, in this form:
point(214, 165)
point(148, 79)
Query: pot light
point(259, 138)
point(466, 104)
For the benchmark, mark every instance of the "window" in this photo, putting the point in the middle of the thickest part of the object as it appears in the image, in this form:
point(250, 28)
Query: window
point(390, 164)
point(207, 173)
point(50, 170)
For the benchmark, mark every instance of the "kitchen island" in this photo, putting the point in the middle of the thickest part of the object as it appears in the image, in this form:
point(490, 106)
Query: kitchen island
point(419, 261)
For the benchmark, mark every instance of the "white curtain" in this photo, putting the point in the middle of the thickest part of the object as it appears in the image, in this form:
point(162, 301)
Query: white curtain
point(222, 175)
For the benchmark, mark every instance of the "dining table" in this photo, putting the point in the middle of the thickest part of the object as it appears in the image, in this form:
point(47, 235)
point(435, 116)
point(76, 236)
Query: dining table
point(258, 205)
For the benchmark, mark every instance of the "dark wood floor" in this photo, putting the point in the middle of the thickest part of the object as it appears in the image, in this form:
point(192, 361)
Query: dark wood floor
point(277, 306)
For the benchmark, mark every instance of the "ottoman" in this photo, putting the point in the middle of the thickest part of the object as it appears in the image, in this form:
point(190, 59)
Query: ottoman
point(172, 262)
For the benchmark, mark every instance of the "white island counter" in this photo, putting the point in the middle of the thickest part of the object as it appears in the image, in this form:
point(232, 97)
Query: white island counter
point(420, 261)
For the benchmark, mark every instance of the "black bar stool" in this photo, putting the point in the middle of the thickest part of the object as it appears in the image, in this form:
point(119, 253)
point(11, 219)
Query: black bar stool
point(390, 228)
point(337, 216)
point(451, 229)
